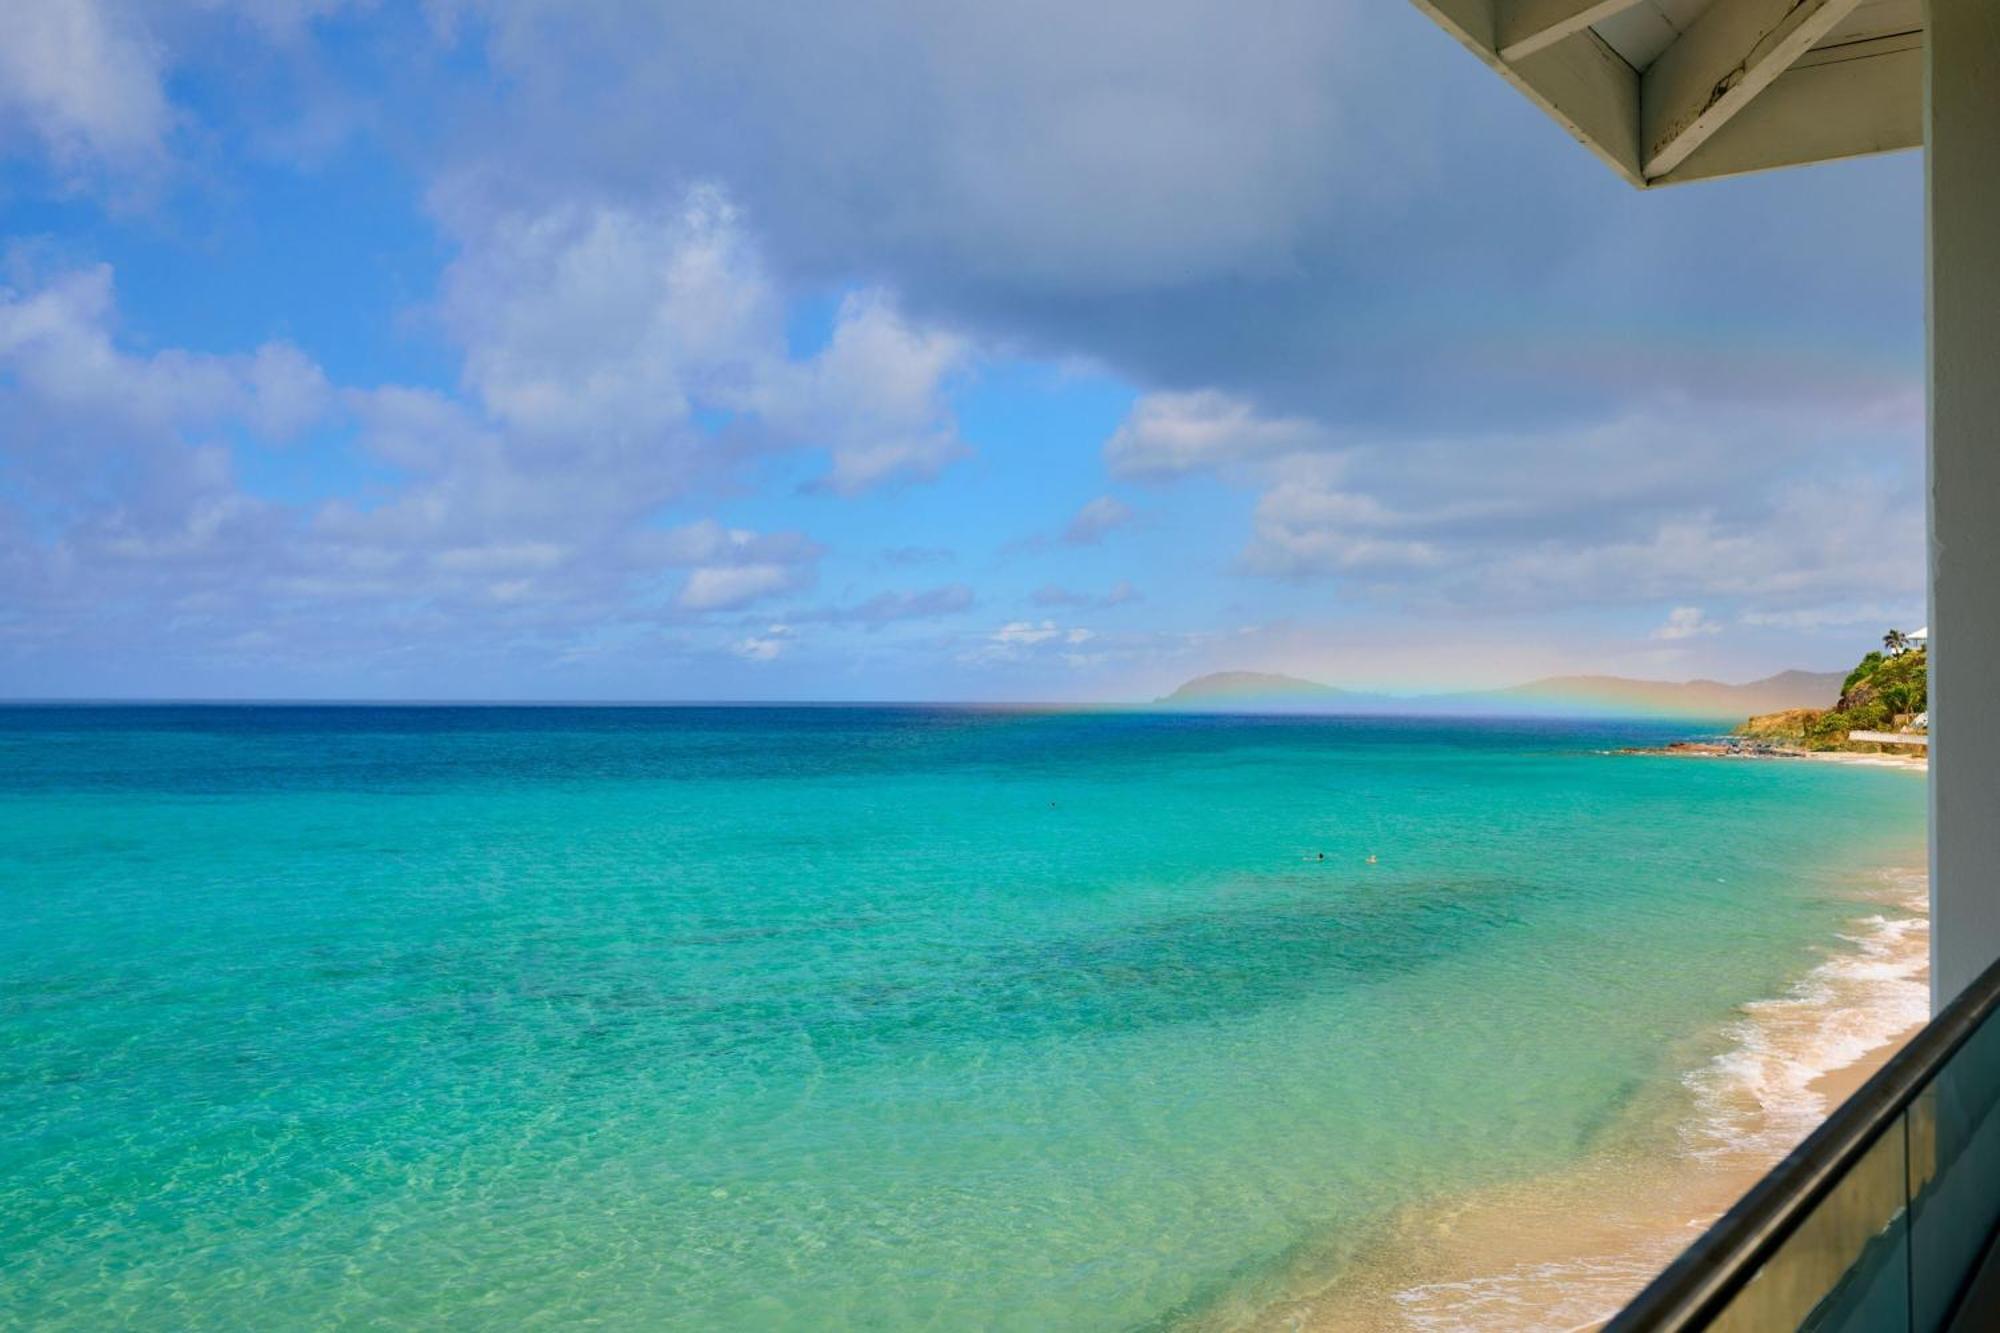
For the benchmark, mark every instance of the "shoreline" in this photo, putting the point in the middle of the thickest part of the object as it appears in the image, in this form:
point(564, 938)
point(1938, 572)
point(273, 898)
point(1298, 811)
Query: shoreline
point(1913, 763)
point(1566, 1251)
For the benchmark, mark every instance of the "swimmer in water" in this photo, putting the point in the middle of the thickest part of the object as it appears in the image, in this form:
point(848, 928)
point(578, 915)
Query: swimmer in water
point(1371, 858)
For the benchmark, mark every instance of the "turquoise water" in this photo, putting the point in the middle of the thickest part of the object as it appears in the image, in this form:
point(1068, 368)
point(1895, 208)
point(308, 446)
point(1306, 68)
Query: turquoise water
point(837, 1018)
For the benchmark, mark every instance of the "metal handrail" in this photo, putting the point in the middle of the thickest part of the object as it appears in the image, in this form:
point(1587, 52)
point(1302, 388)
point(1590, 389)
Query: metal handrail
point(1699, 1285)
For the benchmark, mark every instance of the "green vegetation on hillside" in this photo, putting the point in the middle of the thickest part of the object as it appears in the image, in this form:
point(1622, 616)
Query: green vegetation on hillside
point(1884, 692)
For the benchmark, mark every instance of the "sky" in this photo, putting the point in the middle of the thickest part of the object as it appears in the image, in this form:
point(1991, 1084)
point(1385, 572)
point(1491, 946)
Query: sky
point(879, 349)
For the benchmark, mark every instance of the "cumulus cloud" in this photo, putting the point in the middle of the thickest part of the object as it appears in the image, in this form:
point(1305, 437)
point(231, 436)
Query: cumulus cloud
point(1025, 633)
point(1055, 595)
point(1169, 433)
point(888, 607)
point(1308, 525)
point(493, 522)
point(708, 542)
point(115, 465)
point(85, 84)
point(1261, 227)
point(766, 646)
point(1097, 147)
point(57, 345)
point(1686, 622)
point(582, 320)
point(599, 345)
point(1839, 615)
point(1023, 641)
point(1275, 209)
point(875, 398)
point(83, 80)
point(1096, 520)
point(619, 327)
point(1302, 212)
point(726, 587)
point(1777, 510)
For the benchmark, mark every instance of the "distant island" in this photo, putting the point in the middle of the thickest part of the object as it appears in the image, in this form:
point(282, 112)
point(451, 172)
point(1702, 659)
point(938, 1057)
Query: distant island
point(1250, 687)
point(1256, 691)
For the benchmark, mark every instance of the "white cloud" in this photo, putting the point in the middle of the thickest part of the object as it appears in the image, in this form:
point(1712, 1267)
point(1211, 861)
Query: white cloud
point(1094, 147)
point(86, 83)
point(1021, 641)
point(1049, 172)
point(708, 542)
point(484, 532)
point(615, 329)
point(875, 397)
point(598, 320)
point(84, 80)
point(501, 558)
point(1096, 520)
point(594, 339)
point(1839, 615)
point(1306, 524)
point(887, 607)
point(1168, 433)
point(726, 587)
point(1121, 592)
point(56, 343)
point(1686, 622)
point(765, 647)
point(1025, 633)
point(1768, 511)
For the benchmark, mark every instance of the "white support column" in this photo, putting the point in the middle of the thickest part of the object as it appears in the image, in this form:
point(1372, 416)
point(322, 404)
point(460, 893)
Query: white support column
point(1962, 134)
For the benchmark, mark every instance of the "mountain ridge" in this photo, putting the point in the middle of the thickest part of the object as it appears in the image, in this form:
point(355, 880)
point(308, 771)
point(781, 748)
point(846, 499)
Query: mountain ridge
point(1582, 694)
point(1249, 684)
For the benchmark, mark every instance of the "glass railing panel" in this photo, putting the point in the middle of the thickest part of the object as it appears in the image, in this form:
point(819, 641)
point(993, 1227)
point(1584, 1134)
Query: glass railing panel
point(1880, 1220)
point(1845, 1269)
point(1954, 1164)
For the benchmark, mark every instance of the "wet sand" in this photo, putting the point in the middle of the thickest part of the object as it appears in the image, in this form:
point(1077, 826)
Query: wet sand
point(1565, 1252)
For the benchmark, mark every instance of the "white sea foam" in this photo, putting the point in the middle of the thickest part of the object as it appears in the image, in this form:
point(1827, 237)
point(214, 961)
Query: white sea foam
point(1753, 1102)
point(1758, 1096)
point(1569, 1296)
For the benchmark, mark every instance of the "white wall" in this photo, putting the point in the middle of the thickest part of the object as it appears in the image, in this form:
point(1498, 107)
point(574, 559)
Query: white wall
point(1962, 135)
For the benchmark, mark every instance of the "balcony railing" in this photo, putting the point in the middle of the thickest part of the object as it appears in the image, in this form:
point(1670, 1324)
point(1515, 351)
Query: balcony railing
point(1882, 1220)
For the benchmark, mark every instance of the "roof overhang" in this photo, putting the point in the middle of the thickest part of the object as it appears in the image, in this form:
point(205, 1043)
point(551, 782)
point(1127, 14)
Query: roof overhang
point(1665, 91)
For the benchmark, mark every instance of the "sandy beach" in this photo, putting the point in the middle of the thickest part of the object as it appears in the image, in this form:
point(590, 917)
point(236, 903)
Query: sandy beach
point(1565, 1252)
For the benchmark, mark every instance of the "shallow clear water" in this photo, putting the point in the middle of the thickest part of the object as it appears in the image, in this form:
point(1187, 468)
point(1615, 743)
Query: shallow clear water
point(837, 1018)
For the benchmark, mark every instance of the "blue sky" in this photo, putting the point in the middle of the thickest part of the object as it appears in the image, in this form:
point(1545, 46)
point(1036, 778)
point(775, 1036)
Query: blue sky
point(520, 349)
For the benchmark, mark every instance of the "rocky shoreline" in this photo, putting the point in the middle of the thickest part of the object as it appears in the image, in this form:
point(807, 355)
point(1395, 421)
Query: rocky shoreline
point(1728, 747)
point(1751, 747)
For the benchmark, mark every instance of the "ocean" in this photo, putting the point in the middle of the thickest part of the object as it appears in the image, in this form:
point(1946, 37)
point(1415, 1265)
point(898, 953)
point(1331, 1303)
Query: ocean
point(856, 1018)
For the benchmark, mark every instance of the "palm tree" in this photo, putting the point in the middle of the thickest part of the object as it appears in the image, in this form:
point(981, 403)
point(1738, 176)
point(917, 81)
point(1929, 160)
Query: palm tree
point(1895, 641)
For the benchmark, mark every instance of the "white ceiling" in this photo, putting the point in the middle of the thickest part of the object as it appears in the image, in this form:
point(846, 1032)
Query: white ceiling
point(1643, 31)
point(1648, 28)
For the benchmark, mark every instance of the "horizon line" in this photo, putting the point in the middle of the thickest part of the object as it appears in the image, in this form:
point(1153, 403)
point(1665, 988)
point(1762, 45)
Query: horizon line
point(1153, 707)
point(1351, 691)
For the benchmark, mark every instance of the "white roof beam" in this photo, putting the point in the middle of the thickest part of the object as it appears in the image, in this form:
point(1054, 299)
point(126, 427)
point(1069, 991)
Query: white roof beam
point(1582, 84)
point(1592, 93)
point(1735, 50)
point(1844, 101)
point(1523, 27)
